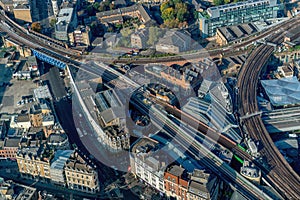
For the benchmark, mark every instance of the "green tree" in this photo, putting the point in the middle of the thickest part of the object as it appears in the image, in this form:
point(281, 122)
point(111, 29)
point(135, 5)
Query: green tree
point(126, 32)
point(154, 34)
point(175, 12)
point(96, 5)
point(164, 6)
point(52, 22)
point(168, 14)
point(218, 2)
point(36, 26)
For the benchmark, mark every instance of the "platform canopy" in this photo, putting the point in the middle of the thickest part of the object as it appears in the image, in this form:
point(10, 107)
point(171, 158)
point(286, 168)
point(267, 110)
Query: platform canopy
point(282, 92)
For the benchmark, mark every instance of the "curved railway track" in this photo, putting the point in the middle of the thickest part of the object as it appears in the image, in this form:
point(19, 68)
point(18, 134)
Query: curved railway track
point(279, 172)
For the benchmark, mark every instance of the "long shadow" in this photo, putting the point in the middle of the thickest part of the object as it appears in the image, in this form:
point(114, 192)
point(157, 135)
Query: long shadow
point(5, 78)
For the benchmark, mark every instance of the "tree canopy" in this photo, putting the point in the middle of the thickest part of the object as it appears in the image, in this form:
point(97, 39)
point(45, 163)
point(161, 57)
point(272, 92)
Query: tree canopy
point(176, 12)
point(154, 34)
point(36, 26)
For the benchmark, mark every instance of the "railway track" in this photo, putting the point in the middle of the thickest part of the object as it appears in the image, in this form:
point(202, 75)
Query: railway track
point(278, 172)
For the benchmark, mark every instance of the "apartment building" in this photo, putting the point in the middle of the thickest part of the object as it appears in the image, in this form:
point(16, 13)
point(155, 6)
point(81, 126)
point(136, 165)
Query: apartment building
point(236, 13)
point(80, 175)
point(176, 182)
point(81, 36)
point(116, 15)
point(34, 162)
point(148, 163)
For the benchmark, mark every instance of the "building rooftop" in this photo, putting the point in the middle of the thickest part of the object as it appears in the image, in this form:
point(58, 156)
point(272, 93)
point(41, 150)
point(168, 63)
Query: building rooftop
point(65, 15)
point(143, 12)
point(232, 33)
point(248, 169)
point(60, 158)
point(23, 118)
point(12, 142)
point(284, 91)
point(175, 170)
point(42, 92)
point(106, 99)
point(24, 192)
point(76, 162)
point(22, 7)
point(57, 137)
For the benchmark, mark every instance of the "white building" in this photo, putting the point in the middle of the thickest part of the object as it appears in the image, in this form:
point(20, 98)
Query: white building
point(148, 163)
point(66, 22)
point(20, 121)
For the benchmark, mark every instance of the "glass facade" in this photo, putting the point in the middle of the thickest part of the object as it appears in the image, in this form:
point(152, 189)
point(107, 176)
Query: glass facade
point(238, 13)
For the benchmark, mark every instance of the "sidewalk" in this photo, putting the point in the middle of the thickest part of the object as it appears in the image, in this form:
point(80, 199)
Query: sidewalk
point(59, 191)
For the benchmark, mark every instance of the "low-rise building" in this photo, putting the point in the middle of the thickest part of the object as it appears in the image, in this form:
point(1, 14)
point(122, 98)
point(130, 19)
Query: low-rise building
point(174, 42)
point(150, 2)
point(57, 166)
point(229, 34)
point(20, 121)
point(203, 185)
point(23, 13)
point(58, 141)
point(116, 139)
point(34, 162)
point(110, 111)
point(148, 163)
point(285, 71)
point(186, 77)
point(250, 171)
point(176, 182)
point(42, 92)
point(81, 36)
point(116, 16)
point(139, 39)
point(9, 147)
point(80, 175)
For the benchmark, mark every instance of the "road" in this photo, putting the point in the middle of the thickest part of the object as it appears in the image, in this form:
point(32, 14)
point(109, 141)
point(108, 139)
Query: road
point(61, 52)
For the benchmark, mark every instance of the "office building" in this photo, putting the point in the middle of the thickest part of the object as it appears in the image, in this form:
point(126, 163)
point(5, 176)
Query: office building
point(236, 13)
point(66, 23)
point(55, 6)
